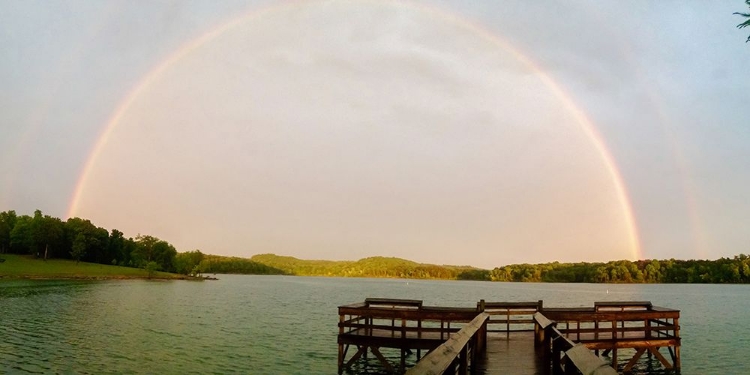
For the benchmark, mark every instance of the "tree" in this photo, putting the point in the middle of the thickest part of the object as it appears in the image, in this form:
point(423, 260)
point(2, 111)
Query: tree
point(7, 222)
point(21, 236)
point(149, 248)
point(117, 247)
point(144, 250)
point(97, 239)
point(164, 255)
point(47, 233)
point(128, 249)
point(151, 268)
point(79, 247)
point(99, 244)
point(187, 263)
point(747, 22)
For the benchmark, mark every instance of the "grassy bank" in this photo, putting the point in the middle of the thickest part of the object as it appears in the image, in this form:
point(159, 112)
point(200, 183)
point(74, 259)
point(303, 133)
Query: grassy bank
point(28, 267)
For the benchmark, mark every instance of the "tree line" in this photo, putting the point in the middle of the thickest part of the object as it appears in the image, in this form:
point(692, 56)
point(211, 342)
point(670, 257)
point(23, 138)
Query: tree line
point(48, 237)
point(78, 239)
point(724, 270)
point(733, 270)
point(367, 267)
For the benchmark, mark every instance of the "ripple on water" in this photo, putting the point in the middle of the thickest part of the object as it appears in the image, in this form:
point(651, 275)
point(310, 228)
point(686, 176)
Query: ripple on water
point(265, 325)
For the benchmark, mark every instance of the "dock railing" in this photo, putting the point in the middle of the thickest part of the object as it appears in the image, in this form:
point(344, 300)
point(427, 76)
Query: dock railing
point(571, 337)
point(455, 355)
point(610, 326)
point(563, 355)
point(405, 325)
point(509, 317)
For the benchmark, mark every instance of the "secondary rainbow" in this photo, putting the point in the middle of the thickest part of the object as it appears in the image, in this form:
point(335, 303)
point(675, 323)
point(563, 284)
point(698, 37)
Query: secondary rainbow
point(585, 123)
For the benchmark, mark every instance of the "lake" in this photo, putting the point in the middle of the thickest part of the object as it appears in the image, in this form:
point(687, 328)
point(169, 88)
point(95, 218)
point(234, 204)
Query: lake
point(288, 325)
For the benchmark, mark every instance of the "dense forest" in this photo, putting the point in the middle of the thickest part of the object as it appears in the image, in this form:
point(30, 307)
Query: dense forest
point(724, 270)
point(46, 237)
point(367, 267)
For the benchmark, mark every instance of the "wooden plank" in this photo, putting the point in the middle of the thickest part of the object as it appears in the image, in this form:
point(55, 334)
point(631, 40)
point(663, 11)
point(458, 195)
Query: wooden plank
point(619, 344)
point(438, 360)
point(362, 350)
point(634, 360)
point(505, 305)
point(511, 354)
point(409, 330)
point(382, 359)
point(413, 314)
point(591, 316)
point(655, 352)
point(646, 304)
point(586, 362)
point(393, 302)
point(659, 308)
point(542, 320)
point(385, 342)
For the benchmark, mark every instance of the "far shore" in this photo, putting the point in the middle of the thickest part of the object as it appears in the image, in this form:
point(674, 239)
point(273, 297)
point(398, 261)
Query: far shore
point(100, 277)
point(15, 267)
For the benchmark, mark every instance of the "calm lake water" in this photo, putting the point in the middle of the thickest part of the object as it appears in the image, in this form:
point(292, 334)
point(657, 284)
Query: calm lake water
point(287, 325)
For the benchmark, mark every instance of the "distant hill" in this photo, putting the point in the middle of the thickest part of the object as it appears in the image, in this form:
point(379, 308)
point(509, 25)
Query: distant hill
point(377, 266)
point(223, 264)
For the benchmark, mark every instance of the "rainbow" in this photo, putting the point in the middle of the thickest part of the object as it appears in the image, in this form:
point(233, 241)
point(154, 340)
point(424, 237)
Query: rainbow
point(586, 125)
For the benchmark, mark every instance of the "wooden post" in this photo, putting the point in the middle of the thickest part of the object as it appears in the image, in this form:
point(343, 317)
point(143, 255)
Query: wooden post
point(402, 364)
point(403, 349)
point(484, 338)
point(677, 362)
point(341, 358)
point(614, 358)
point(368, 322)
point(341, 346)
point(556, 350)
point(463, 358)
point(547, 343)
point(507, 322)
point(570, 368)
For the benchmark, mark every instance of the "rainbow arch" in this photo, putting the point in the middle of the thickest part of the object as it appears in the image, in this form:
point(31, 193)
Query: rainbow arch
point(586, 125)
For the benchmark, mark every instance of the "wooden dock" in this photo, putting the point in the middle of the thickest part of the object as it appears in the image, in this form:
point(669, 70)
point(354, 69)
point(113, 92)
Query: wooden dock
point(515, 354)
point(506, 337)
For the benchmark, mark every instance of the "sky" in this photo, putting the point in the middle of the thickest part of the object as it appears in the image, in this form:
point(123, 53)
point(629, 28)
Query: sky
point(445, 132)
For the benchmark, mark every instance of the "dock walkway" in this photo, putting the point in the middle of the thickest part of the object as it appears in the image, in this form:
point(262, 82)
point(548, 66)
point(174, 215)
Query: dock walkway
point(511, 354)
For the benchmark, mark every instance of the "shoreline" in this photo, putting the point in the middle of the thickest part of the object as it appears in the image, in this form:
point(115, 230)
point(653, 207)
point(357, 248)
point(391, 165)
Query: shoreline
point(100, 277)
point(24, 267)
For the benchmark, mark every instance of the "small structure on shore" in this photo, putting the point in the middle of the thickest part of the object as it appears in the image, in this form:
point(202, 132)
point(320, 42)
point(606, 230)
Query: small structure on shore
point(508, 337)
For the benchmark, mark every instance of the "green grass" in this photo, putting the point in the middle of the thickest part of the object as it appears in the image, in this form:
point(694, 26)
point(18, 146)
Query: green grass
point(21, 266)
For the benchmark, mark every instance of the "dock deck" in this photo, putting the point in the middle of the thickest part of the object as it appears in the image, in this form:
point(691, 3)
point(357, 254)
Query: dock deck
point(511, 354)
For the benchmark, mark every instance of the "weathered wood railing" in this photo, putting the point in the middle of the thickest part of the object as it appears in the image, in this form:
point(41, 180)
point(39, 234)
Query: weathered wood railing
point(510, 316)
point(568, 335)
point(393, 323)
point(565, 356)
point(610, 326)
point(455, 355)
